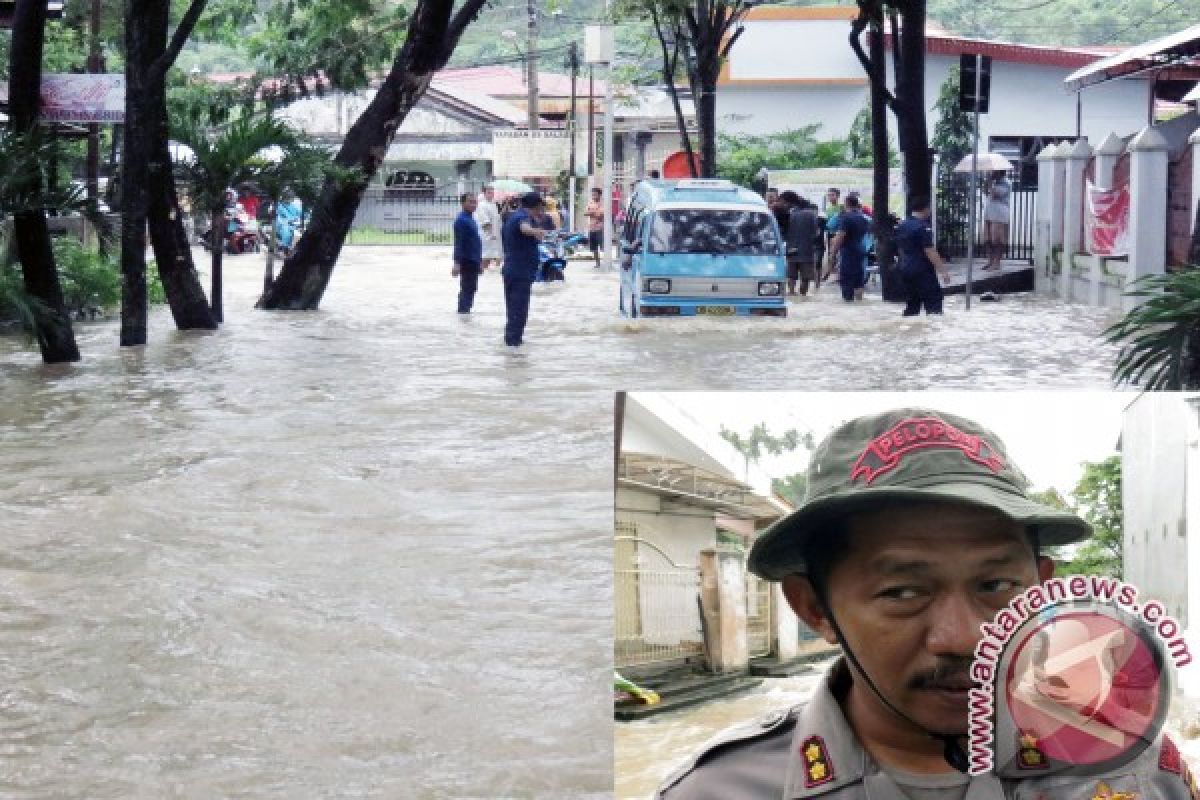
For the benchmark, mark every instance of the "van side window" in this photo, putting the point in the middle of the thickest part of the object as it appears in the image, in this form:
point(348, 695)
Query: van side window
point(717, 231)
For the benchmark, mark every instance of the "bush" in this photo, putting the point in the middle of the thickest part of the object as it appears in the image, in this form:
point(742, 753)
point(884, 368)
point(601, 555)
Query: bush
point(1160, 338)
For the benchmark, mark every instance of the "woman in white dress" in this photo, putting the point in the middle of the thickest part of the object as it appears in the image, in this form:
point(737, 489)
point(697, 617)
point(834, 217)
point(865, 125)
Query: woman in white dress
point(487, 216)
point(995, 217)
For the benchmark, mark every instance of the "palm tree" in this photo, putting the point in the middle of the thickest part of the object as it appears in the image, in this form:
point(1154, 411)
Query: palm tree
point(231, 157)
point(1161, 336)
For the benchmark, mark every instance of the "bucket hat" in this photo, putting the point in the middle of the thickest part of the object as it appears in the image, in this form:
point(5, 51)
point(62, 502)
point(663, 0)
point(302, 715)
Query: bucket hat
point(908, 454)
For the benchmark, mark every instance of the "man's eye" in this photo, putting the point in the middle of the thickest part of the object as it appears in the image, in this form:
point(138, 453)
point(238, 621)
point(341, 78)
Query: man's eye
point(1000, 585)
point(899, 593)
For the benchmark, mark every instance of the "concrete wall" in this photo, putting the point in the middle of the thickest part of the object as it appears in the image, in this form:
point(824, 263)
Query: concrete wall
point(760, 110)
point(1161, 479)
point(681, 531)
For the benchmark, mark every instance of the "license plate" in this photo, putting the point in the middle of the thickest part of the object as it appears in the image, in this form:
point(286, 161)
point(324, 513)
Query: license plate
point(715, 311)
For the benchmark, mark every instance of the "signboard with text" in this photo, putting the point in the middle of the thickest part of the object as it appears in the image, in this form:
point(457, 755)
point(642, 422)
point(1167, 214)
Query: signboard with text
point(83, 98)
point(528, 154)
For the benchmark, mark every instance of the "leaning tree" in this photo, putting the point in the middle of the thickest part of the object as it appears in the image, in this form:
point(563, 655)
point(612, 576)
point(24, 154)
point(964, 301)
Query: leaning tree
point(52, 329)
point(434, 29)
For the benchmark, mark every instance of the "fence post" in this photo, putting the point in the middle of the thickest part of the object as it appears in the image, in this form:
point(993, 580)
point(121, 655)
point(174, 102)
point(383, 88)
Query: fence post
point(786, 625)
point(1147, 207)
point(1049, 207)
point(723, 604)
point(1107, 154)
point(1076, 156)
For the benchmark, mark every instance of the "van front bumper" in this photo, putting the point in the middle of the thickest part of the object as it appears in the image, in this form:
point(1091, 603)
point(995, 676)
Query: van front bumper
point(649, 306)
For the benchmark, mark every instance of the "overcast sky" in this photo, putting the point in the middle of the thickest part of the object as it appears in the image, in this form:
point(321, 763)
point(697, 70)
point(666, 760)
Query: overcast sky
point(1047, 434)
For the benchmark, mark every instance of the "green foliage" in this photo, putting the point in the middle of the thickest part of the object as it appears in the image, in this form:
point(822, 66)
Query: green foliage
point(858, 142)
point(791, 488)
point(1064, 21)
point(952, 135)
point(231, 157)
point(760, 442)
point(25, 175)
point(739, 157)
point(1097, 498)
point(1160, 338)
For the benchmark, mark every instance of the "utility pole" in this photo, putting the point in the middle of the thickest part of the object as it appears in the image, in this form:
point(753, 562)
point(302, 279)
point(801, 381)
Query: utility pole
point(573, 63)
point(591, 120)
point(95, 65)
point(531, 67)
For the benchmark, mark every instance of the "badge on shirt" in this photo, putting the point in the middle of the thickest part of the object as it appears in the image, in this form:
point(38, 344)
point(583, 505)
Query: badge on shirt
point(1028, 754)
point(1104, 792)
point(818, 769)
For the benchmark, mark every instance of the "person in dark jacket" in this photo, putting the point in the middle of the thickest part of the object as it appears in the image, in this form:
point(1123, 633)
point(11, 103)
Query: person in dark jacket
point(851, 228)
point(802, 234)
point(468, 253)
point(919, 261)
point(522, 233)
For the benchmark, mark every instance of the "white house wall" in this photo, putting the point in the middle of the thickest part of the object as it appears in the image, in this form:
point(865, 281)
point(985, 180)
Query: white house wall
point(759, 110)
point(1158, 440)
point(794, 50)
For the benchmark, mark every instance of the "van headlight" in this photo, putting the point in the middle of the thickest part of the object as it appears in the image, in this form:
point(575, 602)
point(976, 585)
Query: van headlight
point(658, 286)
point(769, 288)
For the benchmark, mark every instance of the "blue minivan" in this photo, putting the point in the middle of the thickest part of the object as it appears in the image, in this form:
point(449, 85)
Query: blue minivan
point(704, 247)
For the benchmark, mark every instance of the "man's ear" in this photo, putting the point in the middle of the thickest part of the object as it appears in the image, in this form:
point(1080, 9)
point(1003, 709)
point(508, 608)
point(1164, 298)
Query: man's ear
point(802, 597)
point(1045, 568)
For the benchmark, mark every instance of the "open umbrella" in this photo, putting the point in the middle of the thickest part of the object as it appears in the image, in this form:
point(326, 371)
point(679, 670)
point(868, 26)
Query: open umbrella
point(988, 162)
point(506, 187)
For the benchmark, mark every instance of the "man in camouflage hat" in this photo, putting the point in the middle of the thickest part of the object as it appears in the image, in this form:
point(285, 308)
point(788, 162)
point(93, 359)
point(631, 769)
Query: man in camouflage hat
point(916, 529)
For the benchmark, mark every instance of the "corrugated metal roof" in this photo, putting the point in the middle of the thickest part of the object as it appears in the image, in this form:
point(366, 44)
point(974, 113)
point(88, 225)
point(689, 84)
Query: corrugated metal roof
point(1182, 46)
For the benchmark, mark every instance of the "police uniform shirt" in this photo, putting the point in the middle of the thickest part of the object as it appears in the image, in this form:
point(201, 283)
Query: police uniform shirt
point(810, 751)
point(912, 237)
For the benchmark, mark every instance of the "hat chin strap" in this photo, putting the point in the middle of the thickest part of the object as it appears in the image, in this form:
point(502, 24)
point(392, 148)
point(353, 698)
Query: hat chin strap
point(952, 749)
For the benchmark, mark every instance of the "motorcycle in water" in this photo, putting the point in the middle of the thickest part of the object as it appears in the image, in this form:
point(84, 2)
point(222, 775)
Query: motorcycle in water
point(552, 255)
point(241, 234)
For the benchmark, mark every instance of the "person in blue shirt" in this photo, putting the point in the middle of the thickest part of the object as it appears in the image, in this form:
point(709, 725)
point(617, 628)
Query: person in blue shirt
point(918, 260)
point(521, 235)
point(468, 252)
point(851, 229)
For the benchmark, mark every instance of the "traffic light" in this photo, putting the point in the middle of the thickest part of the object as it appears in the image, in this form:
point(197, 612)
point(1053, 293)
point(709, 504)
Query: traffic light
point(967, 65)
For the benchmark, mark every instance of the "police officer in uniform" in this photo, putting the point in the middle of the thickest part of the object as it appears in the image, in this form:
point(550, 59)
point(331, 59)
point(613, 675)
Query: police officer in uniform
point(920, 263)
point(916, 529)
point(851, 227)
point(521, 234)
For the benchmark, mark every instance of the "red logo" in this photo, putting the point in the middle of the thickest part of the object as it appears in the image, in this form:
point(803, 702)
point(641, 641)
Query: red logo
point(1087, 688)
point(887, 450)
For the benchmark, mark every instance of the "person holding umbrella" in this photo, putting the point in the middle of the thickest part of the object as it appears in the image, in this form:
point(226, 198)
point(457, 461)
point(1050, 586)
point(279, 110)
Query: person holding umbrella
point(996, 216)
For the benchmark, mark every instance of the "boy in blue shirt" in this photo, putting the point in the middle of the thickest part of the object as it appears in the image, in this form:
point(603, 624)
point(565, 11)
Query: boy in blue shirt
point(468, 253)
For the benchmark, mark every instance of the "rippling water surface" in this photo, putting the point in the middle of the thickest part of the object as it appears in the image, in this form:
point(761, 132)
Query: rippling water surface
point(365, 552)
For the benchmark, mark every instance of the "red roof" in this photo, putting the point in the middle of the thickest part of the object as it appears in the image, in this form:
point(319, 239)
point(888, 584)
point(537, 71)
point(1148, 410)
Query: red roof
point(940, 42)
point(506, 82)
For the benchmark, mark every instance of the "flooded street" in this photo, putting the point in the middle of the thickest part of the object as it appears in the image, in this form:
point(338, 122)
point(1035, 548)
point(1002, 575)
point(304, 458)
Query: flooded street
point(366, 552)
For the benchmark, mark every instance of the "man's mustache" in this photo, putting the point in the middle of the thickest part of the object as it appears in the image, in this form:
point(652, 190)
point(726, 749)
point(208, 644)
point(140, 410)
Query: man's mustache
point(950, 673)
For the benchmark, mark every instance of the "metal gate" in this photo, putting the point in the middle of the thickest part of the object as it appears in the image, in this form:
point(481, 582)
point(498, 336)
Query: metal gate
point(760, 613)
point(657, 614)
point(952, 220)
point(387, 216)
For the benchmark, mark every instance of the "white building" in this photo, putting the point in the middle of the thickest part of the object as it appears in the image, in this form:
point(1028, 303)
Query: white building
point(681, 490)
point(793, 67)
point(1160, 471)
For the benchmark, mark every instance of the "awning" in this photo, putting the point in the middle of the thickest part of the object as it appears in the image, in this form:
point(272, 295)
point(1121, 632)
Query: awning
point(1175, 49)
point(678, 480)
point(1193, 96)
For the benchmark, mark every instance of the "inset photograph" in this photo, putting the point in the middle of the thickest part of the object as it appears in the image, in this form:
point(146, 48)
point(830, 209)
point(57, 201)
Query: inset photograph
point(906, 595)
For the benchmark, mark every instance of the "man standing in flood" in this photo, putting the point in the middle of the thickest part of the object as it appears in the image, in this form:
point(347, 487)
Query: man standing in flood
point(468, 253)
point(522, 233)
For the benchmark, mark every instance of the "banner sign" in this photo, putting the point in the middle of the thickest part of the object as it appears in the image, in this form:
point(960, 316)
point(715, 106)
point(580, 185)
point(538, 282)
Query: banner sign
point(811, 184)
point(83, 98)
point(530, 154)
point(1106, 221)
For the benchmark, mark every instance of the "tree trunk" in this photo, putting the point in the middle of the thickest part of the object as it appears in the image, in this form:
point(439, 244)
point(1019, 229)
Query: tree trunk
point(885, 250)
point(269, 270)
point(172, 250)
point(670, 67)
point(217, 241)
point(432, 37)
point(910, 97)
point(53, 331)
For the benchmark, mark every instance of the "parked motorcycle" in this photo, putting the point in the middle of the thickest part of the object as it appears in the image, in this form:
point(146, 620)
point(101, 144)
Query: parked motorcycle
point(241, 235)
point(553, 252)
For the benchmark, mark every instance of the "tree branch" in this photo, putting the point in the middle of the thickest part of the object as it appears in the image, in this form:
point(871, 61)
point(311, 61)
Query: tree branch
point(158, 69)
point(873, 70)
point(466, 15)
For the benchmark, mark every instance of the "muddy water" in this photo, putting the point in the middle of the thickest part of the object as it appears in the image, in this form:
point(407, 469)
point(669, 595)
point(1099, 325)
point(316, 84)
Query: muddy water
point(365, 552)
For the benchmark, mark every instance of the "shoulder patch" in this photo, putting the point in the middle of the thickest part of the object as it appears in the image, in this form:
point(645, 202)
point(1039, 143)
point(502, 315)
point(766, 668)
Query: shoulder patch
point(818, 769)
point(1029, 755)
point(1168, 757)
point(740, 734)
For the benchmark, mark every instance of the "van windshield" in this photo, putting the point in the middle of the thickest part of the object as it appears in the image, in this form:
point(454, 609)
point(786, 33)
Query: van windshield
point(717, 231)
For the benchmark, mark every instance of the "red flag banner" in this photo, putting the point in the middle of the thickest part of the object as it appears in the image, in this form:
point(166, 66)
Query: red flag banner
point(1106, 221)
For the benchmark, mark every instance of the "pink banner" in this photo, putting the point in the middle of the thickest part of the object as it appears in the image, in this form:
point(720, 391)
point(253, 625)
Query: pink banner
point(83, 98)
point(1106, 221)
